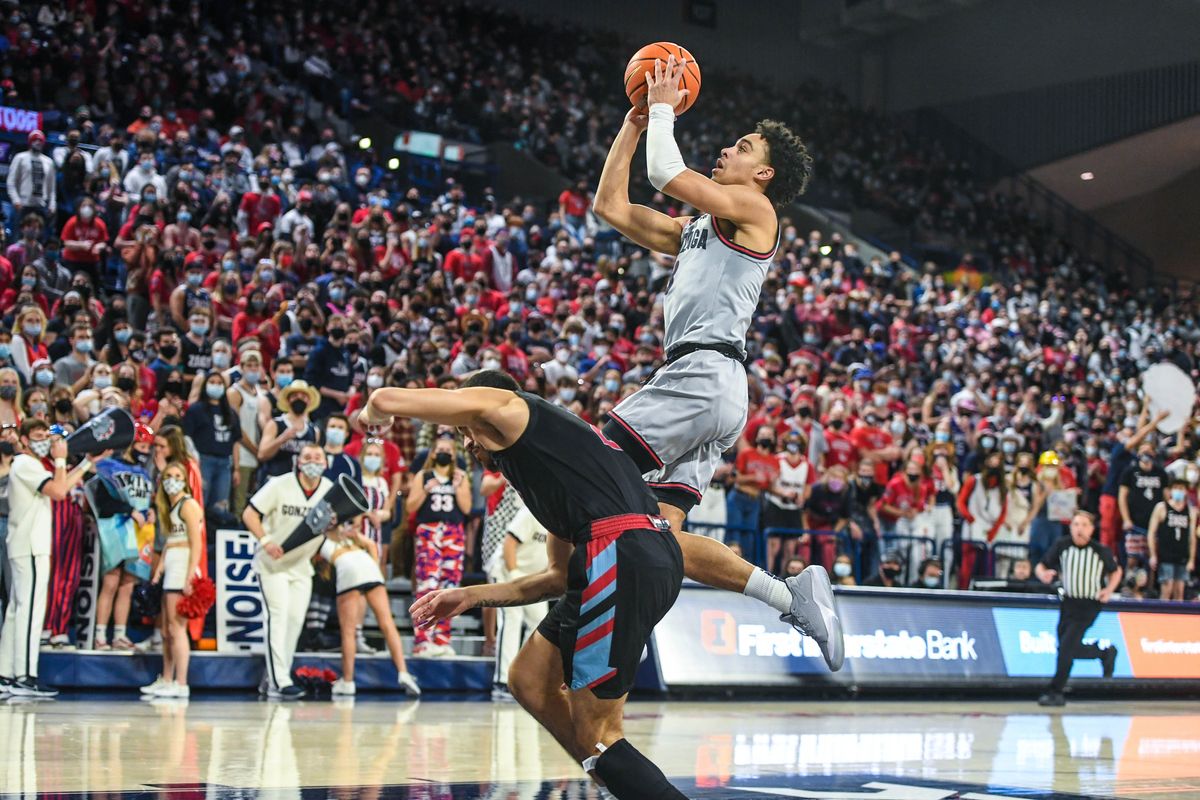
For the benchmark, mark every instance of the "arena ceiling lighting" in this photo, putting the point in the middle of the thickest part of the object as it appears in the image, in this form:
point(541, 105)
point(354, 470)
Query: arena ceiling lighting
point(393, 163)
point(1086, 176)
point(364, 143)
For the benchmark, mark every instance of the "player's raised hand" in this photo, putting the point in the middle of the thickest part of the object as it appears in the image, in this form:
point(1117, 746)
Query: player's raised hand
point(439, 604)
point(664, 85)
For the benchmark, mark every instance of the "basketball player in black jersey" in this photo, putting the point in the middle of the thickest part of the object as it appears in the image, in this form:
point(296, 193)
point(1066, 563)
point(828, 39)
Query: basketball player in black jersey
point(611, 555)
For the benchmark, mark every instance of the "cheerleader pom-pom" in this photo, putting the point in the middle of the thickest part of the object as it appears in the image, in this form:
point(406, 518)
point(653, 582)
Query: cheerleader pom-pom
point(197, 604)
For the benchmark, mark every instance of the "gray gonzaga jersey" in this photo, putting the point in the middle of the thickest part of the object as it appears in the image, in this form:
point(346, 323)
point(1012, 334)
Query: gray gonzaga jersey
point(714, 287)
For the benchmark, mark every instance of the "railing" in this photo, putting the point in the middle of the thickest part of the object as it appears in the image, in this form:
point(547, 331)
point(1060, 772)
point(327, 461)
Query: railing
point(1078, 228)
point(913, 549)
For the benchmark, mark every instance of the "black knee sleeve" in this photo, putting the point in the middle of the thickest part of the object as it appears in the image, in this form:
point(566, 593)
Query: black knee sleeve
point(631, 776)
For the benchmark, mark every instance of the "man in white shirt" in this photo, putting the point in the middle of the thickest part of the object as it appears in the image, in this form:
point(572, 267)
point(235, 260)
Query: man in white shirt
point(144, 175)
point(285, 579)
point(114, 156)
point(31, 487)
point(298, 217)
point(31, 179)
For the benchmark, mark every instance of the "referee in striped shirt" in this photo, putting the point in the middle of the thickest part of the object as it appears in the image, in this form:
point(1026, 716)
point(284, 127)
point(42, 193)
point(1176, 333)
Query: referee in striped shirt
point(1089, 575)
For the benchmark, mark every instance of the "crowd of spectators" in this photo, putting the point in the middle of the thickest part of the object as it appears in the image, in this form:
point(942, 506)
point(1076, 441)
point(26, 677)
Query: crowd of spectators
point(204, 248)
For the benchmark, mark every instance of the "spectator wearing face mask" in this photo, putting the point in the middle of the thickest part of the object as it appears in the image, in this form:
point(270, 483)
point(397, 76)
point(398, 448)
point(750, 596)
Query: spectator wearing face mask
point(643, 366)
point(906, 506)
point(944, 474)
point(828, 509)
point(29, 326)
point(864, 515)
point(31, 179)
point(1120, 458)
point(214, 428)
point(841, 449)
point(10, 397)
point(565, 392)
point(285, 434)
point(190, 296)
point(1010, 443)
point(330, 367)
point(85, 240)
point(381, 500)
point(888, 576)
point(303, 339)
point(513, 359)
point(756, 470)
point(770, 416)
point(561, 366)
point(787, 496)
point(872, 441)
point(843, 571)
point(144, 182)
point(929, 575)
point(168, 359)
point(257, 321)
point(339, 462)
point(245, 396)
point(1172, 541)
point(1143, 484)
point(983, 503)
point(196, 343)
point(440, 498)
point(1095, 473)
point(1045, 529)
point(464, 261)
point(813, 431)
point(1012, 542)
point(72, 369)
point(986, 442)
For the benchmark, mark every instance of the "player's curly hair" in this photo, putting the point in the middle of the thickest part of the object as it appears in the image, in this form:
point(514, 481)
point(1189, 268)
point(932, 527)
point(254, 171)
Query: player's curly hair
point(789, 156)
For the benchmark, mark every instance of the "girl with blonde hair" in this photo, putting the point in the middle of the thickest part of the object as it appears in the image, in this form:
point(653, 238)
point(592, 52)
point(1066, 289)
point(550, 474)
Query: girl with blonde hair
point(359, 582)
point(29, 326)
point(183, 522)
point(10, 397)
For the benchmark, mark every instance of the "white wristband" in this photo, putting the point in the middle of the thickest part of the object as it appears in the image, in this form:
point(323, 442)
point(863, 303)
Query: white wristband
point(85, 465)
point(663, 159)
point(60, 463)
point(265, 540)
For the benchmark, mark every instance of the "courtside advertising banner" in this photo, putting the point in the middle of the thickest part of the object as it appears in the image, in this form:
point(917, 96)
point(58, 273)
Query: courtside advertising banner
point(712, 638)
point(240, 615)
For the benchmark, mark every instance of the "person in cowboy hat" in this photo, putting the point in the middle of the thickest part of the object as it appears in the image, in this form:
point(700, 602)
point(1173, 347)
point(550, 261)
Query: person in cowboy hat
point(286, 433)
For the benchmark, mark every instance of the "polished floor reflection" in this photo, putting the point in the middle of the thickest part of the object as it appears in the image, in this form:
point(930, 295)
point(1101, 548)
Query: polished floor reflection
point(240, 748)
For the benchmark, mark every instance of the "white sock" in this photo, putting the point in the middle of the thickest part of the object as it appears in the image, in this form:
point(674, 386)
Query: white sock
point(766, 588)
point(118, 631)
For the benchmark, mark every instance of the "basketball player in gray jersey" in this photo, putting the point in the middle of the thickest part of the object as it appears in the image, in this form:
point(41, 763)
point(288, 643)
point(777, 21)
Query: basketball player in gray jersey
point(693, 409)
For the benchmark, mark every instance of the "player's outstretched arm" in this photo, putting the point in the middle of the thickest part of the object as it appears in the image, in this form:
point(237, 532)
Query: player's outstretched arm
point(647, 227)
point(447, 603)
point(739, 204)
point(458, 407)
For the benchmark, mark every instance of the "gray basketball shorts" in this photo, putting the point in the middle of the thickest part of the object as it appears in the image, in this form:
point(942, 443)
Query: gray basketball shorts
point(677, 426)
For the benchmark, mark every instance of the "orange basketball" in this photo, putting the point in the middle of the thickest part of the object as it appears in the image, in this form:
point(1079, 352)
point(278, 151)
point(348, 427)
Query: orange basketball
point(643, 62)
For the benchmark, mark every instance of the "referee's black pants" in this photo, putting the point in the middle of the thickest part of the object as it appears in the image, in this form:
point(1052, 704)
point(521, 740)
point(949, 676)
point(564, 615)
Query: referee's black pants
point(1075, 617)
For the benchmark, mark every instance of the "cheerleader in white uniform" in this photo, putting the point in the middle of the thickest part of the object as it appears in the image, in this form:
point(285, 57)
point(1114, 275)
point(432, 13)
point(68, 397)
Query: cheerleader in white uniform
point(360, 582)
point(177, 569)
